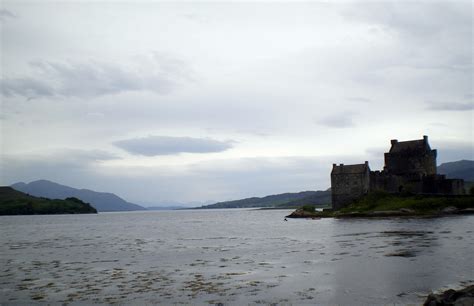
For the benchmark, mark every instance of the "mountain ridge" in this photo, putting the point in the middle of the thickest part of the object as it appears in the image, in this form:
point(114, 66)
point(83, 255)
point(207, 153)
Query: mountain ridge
point(461, 169)
point(14, 202)
point(288, 199)
point(102, 201)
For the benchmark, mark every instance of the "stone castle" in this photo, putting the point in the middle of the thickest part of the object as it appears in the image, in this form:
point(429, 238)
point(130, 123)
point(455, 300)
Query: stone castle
point(410, 166)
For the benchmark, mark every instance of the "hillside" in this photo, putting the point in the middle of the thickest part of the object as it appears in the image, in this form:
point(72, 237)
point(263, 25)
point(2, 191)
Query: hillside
point(102, 201)
point(319, 198)
point(463, 169)
point(13, 202)
point(278, 200)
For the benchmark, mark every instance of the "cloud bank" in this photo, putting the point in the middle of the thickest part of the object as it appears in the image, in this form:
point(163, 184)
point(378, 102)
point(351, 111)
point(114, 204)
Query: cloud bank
point(88, 79)
point(342, 120)
point(165, 145)
point(450, 106)
point(5, 14)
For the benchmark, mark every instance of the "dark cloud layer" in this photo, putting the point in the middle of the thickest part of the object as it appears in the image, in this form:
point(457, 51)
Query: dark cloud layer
point(165, 145)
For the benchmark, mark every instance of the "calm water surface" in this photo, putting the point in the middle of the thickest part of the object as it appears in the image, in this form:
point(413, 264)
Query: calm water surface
point(230, 256)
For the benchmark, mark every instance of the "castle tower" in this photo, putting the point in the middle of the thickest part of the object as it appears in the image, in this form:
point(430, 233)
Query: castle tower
point(348, 183)
point(413, 157)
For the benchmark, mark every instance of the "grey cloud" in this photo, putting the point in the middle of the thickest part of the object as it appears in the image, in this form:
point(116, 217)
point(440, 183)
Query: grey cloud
point(419, 19)
point(5, 14)
point(359, 99)
point(26, 87)
point(62, 165)
point(69, 156)
point(450, 106)
point(80, 155)
point(342, 120)
point(165, 145)
point(425, 45)
point(93, 78)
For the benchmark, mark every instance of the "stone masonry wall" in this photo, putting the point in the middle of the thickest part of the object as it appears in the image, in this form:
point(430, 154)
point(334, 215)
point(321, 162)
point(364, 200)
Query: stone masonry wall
point(347, 187)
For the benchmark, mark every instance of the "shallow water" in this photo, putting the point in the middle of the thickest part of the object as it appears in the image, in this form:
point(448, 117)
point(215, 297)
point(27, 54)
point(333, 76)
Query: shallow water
point(230, 256)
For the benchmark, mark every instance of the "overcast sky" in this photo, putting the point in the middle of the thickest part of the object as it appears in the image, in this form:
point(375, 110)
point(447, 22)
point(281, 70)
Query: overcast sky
point(185, 102)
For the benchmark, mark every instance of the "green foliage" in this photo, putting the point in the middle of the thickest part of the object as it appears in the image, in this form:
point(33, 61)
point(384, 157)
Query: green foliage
point(379, 201)
point(308, 208)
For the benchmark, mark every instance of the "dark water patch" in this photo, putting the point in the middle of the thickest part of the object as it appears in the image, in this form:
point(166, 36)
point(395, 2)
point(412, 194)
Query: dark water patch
point(353, 234)
point(406, 233)
point(378, 247)
point(402, 253)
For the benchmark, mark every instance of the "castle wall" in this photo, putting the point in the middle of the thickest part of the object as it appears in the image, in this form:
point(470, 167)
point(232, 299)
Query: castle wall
point(438, 184)
point(405, 163)
point(347, 187)
point(383, 181)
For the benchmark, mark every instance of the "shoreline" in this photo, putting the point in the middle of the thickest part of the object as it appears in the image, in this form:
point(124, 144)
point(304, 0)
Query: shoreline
point(449, 211)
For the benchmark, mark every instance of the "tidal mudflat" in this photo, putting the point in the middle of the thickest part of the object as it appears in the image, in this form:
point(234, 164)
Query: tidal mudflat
point(231, 256)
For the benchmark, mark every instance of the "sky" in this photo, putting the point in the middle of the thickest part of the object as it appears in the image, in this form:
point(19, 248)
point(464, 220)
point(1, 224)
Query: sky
point(163, 102)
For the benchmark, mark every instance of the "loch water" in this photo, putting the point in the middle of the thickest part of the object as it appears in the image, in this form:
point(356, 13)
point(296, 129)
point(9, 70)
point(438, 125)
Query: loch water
point(234, 256)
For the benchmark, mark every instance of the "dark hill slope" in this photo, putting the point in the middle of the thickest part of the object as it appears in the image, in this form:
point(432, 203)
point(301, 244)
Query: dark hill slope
point(278, 200)
point(463, 169)
point(13, 202)
point(319, 198)
point(102, 201)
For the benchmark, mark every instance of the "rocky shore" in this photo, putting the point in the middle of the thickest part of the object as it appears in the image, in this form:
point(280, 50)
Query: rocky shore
point(452, 297)
point(403, 212)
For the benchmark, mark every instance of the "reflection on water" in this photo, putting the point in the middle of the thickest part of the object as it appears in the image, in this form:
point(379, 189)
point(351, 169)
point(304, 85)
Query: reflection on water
point(230, 256)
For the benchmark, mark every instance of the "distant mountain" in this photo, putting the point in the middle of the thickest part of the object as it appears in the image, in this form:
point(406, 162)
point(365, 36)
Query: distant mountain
point(14, 202)
point(278, 200)
point(463, 169)
point(165, 207)
point(102, 201)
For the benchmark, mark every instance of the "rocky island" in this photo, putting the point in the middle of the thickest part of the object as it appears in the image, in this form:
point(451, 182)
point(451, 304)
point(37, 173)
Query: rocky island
point(408, 185)
point(13, 202)
point(381, 204)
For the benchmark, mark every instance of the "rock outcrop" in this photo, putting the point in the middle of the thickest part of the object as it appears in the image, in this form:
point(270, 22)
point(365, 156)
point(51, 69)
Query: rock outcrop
point(452, 297)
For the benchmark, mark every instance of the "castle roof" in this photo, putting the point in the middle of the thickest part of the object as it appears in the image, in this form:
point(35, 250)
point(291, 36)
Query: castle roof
point(350, 169)
point(410, 146)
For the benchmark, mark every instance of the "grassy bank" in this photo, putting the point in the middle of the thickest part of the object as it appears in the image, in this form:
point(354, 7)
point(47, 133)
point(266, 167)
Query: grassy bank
point(379, 201)
point(384, 204)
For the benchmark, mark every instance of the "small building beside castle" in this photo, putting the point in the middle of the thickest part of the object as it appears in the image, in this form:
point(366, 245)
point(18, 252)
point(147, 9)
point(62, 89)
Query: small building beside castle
point(410, 166)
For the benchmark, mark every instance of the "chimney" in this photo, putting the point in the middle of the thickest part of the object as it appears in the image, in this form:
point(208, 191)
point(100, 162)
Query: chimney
point(366, 163)
point(340, 165)
point(425, 138)
point(334, 166)
point(393, 141)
